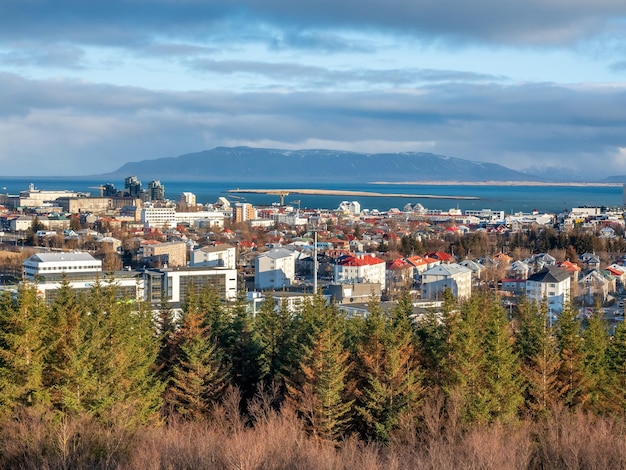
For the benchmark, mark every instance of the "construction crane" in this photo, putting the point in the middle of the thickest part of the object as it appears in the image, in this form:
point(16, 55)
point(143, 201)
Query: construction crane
point(101, 188)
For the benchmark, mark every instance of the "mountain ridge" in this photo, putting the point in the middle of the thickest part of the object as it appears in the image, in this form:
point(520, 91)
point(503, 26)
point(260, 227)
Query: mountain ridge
point(252, 164)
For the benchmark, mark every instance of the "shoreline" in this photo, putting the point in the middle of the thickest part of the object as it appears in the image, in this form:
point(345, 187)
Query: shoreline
point(497, 183)
point(331, 192)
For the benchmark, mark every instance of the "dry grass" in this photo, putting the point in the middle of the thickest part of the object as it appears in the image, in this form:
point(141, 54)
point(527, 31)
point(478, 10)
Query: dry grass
point(273, 439)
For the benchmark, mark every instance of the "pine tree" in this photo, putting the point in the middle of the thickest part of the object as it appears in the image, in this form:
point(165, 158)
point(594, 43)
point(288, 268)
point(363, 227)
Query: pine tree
point(538, 349)
point(112, 360)
point(616, 356)
point(465, 363)
point(22, 350)
point(276, 330)
point(244, 350)
point(388, 377)
point(198, 376)
point(573, 378)
point(502, 372)
point(318, 389)
point(595, 343)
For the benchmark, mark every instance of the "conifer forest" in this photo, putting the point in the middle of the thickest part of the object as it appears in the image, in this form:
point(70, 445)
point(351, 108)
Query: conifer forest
point(97, 382)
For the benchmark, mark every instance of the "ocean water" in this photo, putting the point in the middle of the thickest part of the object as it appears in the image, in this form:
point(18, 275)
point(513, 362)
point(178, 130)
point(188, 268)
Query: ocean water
point(510, 199)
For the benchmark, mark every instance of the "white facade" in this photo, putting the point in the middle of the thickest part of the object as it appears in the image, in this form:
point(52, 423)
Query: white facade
point(180, 280)
point(361, 268)
point(453, 277)
point(275, 269)
point(58, 263)
point(552, 285)
point(201, 218)
point(222, 256)
point(158, 217)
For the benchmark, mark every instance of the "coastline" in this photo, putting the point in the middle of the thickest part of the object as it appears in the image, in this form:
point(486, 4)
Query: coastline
point(498, 183)
point(331, 192)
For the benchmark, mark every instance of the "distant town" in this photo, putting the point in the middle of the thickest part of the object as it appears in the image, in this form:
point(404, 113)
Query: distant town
point(155, 249)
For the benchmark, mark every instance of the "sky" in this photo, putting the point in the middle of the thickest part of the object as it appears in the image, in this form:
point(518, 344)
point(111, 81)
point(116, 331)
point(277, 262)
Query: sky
point(538, 85)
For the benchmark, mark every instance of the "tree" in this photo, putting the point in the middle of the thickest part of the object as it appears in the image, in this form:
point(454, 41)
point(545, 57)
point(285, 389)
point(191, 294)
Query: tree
point(388, 377)
point(595, 344)
point(277, 338)
point(318, 389)
point(198, 375)
point(573, 378)
point(537, 347)
point(616, 358)
point(22, 350)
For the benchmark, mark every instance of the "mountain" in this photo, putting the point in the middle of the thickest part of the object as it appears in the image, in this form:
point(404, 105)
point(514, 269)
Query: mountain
point(273, 165)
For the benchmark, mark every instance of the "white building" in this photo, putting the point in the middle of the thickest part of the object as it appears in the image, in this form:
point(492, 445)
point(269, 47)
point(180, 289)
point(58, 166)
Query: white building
point(59, 263)
point(218, 256)
point(361, 268)
point(453, 277)
point(187, 198)
point(551, 284)
point(201, 218)
point(275, 269)
point(158, 217)
point(349, 207)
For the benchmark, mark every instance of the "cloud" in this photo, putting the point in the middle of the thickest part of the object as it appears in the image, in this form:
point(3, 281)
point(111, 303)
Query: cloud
point(116, 22)
point(68, 127)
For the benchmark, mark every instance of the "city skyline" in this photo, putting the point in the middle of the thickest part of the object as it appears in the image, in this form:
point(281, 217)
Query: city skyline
point(86, 90)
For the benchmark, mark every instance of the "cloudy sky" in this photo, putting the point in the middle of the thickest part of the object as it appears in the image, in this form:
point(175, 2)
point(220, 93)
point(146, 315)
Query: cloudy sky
point(87, 86)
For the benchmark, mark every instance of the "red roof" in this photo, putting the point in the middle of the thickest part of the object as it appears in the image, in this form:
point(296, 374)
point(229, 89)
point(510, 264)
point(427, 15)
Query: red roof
point(440, 255)
point(365, 260)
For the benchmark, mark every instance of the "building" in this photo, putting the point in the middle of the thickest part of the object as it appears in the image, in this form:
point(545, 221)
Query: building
point(552, 285)
point(132, 187)
point(158, 217)
point(217, 256)
point(187, 199)
point(275, 269)
point(48, 271)
point(38, 198)
point(172, 254)
point(74, 205)
point(243, 211)
point(156, 191)
point(453, 277)
point(201, 219)
point(360, 268)
point(176, 284)
point(60, 263)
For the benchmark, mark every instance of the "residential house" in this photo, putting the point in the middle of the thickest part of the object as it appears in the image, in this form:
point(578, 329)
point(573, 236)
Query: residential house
point(360, 268)
point(453, 277)
point(223, 256)
point(550, 284)
point(275, 269)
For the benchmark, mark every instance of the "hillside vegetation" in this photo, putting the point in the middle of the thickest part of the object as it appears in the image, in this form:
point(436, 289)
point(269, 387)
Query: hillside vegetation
point(99, 382)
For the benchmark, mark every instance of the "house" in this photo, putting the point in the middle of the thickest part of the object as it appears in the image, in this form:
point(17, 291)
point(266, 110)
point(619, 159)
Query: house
point(552, 285)
point(399, 274)
point(514, 286)
point(275, 269)
point(360, 268)
point(172, 254)
point(595, 284)
point(518, 270)
point(453, 277)
point(473, 266)
point(223, 256)
point(590, 260)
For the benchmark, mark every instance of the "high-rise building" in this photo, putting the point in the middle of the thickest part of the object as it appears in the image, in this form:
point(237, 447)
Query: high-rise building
point(156, 190)
point(243, 211)
point(132, 186)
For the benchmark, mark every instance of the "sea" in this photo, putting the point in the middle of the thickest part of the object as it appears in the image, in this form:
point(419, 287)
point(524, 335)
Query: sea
point(508, 198)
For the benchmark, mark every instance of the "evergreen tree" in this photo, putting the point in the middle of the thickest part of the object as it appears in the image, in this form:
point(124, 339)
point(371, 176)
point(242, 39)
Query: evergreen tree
point(465, 363)
point(572, 377)
point(538, 349)
point(112, 361)
point(198, 376)
point(276, 330)
point(244, 350)
point(318, 389)
point(387, 374)
point(22, 350)
point(595, 343)
point(616, 358)
point(502, 372)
